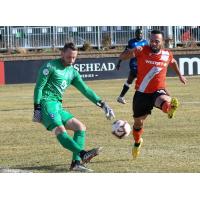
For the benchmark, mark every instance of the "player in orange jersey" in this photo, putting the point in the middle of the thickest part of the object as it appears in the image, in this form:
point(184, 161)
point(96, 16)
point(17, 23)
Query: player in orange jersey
point(153, 61)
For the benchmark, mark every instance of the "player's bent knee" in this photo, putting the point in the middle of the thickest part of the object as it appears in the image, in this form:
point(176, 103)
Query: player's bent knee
point(160, 99)
point(79, 126)
point(138, 124)
point(75, 125)
point(59, 129)
point(82, 127)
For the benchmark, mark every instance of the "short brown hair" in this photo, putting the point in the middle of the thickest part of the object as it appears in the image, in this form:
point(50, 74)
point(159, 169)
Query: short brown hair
point(69, 45)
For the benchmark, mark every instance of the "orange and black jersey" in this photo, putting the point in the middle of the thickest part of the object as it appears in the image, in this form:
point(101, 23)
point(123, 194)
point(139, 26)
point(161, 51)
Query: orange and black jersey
point(152, 69)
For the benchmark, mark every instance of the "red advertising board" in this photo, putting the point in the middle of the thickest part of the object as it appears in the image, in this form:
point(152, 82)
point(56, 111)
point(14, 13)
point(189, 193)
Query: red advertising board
point(2, 74)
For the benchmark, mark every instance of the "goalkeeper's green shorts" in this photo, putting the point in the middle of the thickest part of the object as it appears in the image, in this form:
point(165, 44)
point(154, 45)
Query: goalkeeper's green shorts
point(53, 114)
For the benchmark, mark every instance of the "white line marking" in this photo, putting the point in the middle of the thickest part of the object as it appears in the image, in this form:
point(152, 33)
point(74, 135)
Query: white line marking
point(7, 170)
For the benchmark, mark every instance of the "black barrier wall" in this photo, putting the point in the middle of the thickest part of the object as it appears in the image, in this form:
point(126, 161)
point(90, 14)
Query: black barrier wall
point(92, 68)
point(23, 71)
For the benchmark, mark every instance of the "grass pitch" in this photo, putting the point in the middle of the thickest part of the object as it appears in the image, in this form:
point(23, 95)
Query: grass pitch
point(170, 145)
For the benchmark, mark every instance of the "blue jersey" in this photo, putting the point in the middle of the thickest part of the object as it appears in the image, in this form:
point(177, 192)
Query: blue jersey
point(132, 43)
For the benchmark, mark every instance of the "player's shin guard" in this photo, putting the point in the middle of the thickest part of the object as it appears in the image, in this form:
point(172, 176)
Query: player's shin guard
point(165, 106)
point(137, 132)
point(79, 138)
point(68, 143)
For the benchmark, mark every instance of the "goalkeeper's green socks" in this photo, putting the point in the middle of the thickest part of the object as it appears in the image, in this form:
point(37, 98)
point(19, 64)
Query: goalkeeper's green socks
point(68, 143)
point(79, 138)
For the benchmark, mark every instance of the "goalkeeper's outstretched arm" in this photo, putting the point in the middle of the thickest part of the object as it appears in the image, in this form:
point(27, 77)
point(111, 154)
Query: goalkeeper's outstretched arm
point(85, 89)
point(92, 96)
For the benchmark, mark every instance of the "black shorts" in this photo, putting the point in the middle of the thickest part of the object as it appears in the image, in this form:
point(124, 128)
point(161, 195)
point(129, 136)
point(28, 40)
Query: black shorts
point(143, 103)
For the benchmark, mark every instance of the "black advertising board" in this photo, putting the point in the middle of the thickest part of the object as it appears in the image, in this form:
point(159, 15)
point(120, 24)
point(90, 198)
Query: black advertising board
point(25, 71)
point(22, 71)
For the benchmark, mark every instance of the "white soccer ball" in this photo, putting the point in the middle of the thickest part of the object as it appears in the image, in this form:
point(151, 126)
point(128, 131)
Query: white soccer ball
point(121, 129)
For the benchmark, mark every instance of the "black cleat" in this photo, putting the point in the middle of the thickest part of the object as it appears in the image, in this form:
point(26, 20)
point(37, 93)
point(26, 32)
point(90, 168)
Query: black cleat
point(86, 156)
point(76, 166)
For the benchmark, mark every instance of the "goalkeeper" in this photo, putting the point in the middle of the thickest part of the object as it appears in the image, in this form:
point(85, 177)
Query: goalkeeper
point(53, 79)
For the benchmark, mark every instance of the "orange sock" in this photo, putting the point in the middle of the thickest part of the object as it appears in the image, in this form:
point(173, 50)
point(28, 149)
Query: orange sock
point(166, 106)
point(137, 134)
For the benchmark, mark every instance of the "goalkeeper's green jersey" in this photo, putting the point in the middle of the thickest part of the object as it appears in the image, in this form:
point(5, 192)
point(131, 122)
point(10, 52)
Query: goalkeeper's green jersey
point(54, 78)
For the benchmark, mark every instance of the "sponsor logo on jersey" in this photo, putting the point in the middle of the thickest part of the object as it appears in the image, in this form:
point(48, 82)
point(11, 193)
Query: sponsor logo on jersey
point(161, 64)
point(45, 72)
point(60, 73)
point(154, 62)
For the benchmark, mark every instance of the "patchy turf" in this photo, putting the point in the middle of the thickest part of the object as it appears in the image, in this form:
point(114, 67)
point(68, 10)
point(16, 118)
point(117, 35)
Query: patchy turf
point(169, 145)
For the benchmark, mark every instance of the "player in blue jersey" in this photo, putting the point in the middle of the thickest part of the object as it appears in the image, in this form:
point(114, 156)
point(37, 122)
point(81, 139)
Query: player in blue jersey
point(132, 43)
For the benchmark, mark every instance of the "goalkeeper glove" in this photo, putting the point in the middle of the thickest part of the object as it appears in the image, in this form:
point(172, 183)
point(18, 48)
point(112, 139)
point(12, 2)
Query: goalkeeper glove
point(37, 116)
point(108, 111)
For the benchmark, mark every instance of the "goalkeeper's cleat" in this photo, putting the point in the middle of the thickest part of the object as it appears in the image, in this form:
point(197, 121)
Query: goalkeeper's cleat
point(76, 166)
point(121, 100)
point(136, 149)
point(86, 156)
point(174, 105)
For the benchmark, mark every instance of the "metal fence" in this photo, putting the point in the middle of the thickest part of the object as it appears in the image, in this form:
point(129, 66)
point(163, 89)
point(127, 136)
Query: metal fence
point(29, 37)
point(78, 35)
point(3, 38)
point(33, 37)
point(186, 35)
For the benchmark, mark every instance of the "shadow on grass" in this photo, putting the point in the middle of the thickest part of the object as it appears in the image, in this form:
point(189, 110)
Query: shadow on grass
point(111, 161)
point(46, 168)
point(61, 168)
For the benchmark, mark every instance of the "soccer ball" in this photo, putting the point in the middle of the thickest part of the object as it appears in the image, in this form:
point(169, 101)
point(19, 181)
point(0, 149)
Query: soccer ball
point(121, 129)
